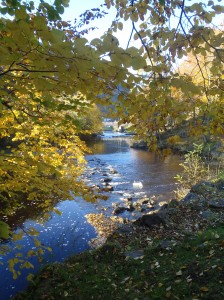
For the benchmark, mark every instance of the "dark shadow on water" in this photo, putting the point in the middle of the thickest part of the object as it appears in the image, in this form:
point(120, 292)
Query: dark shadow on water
point(70, 233)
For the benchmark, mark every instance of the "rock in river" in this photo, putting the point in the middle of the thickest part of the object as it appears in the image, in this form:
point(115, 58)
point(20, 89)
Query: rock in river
point(119, 210)
point(107, 188)
point(106, 179)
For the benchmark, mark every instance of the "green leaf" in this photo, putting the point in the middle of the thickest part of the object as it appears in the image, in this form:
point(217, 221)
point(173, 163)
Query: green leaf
point(162, 2)
point(218, 8)
point(138, 63)
point(4, 230)
point(57, 211)
point(30, 277)
point(65, 3)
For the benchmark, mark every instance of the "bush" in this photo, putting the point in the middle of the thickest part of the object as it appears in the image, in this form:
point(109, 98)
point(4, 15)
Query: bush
point(194, 171)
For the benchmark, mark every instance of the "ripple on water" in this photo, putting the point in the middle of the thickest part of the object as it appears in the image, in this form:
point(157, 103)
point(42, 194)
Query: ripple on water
point(70, 233)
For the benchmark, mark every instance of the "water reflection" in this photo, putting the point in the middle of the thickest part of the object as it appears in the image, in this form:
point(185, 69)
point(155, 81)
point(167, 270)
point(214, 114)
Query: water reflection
point(70, 233)
point(66, 235)
point(108, 146)
point(154, 171)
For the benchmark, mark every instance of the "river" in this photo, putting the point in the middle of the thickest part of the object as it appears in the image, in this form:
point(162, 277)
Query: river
point(70, 233)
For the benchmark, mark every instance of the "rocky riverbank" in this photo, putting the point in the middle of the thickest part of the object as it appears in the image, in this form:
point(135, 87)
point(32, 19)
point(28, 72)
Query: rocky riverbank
point(145, 248)
point(134, 208)
point(110, 186)
point(203, 206)
point(175, 252)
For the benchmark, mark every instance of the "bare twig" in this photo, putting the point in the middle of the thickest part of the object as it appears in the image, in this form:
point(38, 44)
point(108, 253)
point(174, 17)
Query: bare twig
point(130, 36)
point(143, 44)
point(181, 15)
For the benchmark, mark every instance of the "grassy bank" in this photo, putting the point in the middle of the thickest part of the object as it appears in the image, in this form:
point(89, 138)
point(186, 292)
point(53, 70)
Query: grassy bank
point(192, 269)
point(183, 260)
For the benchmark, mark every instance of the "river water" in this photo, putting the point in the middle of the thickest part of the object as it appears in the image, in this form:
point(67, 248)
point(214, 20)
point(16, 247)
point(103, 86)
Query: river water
point(70, 233)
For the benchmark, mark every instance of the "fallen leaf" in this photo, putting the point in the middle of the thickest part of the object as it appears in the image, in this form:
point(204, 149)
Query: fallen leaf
point(178, 281)
point(65, 294)
point(157, 264)
point(125, 279)
point(183, 267)
point(179, 273)
point(204, 289)
point(189, 279)
point(168, 294)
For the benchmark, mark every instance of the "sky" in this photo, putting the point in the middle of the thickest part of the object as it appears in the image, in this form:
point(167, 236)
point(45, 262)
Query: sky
point(76, 7)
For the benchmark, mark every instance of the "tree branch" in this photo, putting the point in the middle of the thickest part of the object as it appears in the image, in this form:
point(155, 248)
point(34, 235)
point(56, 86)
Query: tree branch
point(143, 43)
point(130, 36)
point(181, 15)
point(198, 63)
point(7, 71)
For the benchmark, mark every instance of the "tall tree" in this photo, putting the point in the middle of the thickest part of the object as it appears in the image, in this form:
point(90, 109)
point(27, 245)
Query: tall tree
point(168, 32)
point(46, 68)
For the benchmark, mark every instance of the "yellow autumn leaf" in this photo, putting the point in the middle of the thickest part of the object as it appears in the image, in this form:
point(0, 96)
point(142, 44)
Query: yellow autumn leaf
point(30, 277)
point(57, 211)
point(204, 289)
point(179, 273)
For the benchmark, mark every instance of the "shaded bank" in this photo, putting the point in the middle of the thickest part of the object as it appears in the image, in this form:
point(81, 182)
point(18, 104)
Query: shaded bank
point(181, 259)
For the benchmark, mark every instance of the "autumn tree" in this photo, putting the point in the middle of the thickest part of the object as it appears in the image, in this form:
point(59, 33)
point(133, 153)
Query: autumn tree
point(168, 32)
point(199, 68)
point(46, 68)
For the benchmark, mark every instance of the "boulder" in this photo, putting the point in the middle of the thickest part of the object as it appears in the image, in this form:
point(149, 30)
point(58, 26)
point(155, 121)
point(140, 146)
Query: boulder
point(107, 188)
point(113, 171)
point(216, 204)
point(174, 203)
point(141, 201)
point(130, 207)
point(150, 220)
point(202, 188)
point(106, 179)
point(125, 229)
point(190, 198)
point(165, 244)
point(135, 254)
point(206, 194)
point(209, 215)
point(128, 199)
point(220, 184)
point(118, 210)
point(163, 205)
